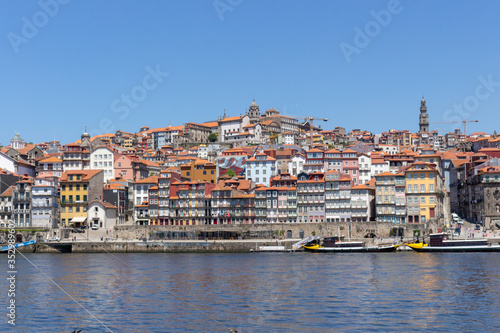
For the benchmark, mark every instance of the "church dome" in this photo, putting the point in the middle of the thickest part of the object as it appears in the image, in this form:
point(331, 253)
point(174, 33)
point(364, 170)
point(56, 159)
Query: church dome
point(17, 138)
point(253, 103)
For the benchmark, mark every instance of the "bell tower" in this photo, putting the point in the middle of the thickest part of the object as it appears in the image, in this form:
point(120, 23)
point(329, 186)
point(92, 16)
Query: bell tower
point(424, 117)
point(254, 113)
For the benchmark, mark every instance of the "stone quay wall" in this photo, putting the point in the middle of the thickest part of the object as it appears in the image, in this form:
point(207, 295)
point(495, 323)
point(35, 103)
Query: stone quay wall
point(280, 230)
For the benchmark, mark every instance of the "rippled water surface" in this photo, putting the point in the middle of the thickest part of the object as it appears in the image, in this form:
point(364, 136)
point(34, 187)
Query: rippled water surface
point(281, 292)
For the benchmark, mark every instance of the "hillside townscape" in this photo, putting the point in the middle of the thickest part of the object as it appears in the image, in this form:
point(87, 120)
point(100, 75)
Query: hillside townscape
point(256, 168)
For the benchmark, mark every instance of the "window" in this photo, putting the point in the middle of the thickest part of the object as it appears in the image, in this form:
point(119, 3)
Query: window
point(431, 176)
point(415, 188)
point(431, 188)
point(422, 199)
point(422, 176)
point(204, 172)
point(422, 188)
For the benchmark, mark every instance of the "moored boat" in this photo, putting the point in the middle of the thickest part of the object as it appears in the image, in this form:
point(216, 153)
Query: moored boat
point(441, 243)
point(334, 244)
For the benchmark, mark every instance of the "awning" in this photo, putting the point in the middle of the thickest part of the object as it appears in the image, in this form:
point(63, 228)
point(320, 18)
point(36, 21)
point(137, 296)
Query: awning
point(78, 219)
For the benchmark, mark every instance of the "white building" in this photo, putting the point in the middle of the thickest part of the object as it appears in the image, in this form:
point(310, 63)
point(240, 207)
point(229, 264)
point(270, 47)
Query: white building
point(7, 163)
point(378, 165)
point(103, 214)
point(365, 167)
point(141, 189)
point(102, 158)
point(6, 207)
point(45, 202)
point(287, 138)
point(296, 164)
point(389, 149)
point(230, 125)
point(261, 168)
point(362, 203)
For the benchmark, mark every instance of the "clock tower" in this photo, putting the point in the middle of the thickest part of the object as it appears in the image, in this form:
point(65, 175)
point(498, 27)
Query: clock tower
point(424, 117)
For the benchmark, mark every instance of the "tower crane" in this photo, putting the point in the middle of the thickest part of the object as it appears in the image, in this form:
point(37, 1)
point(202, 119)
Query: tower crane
point(311, 119)
point(457, 121)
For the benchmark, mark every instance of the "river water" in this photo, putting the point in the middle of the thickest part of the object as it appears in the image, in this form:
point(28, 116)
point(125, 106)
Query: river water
point(257, 292)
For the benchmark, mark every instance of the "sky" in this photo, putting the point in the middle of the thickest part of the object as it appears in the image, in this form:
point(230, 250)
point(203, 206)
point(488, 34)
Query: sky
point(68, 65)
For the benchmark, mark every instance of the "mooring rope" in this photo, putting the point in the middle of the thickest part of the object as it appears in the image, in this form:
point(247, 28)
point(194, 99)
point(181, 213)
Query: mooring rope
point(64, 291)
point(168, 291)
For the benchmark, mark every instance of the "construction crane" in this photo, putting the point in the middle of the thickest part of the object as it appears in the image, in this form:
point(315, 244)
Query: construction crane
point(457, 121)
point(311, 119)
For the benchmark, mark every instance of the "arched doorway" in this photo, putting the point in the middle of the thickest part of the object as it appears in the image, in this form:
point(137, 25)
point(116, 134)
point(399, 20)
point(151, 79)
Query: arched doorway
point(19, 238)
point(289, 234)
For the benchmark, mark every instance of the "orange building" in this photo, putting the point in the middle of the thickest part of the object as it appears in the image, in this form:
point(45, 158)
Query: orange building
point(199, 170)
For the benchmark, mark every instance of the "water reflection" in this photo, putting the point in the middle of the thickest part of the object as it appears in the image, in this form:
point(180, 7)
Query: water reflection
point(261, 292)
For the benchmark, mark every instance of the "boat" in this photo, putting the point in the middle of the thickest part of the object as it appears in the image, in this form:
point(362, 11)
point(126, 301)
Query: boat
point(15, 246)
point(335, 244)
point(442, 242)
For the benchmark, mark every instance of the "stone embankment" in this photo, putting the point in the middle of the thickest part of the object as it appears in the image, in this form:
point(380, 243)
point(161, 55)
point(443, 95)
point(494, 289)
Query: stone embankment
point(187, 246)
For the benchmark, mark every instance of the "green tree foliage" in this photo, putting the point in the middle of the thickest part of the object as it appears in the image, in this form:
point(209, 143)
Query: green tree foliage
point(212, 137)
point(230, 173)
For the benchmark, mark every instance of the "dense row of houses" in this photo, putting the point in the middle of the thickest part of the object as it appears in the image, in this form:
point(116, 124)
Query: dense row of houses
point(262, 168)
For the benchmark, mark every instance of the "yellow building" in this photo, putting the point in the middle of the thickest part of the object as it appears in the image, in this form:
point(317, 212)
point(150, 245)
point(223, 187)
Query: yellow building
point(199, 170)
point(424, 192)
point(78, 188)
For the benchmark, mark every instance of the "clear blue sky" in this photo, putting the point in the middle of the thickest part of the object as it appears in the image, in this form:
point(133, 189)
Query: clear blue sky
point(74, 69)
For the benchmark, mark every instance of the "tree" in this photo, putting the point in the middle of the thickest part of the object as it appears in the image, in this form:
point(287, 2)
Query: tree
point(230, 173)
point(212, 137)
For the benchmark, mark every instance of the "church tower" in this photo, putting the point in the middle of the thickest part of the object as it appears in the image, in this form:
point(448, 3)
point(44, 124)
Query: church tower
point(424, 117)
point(85, 140)
point(254, 113)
